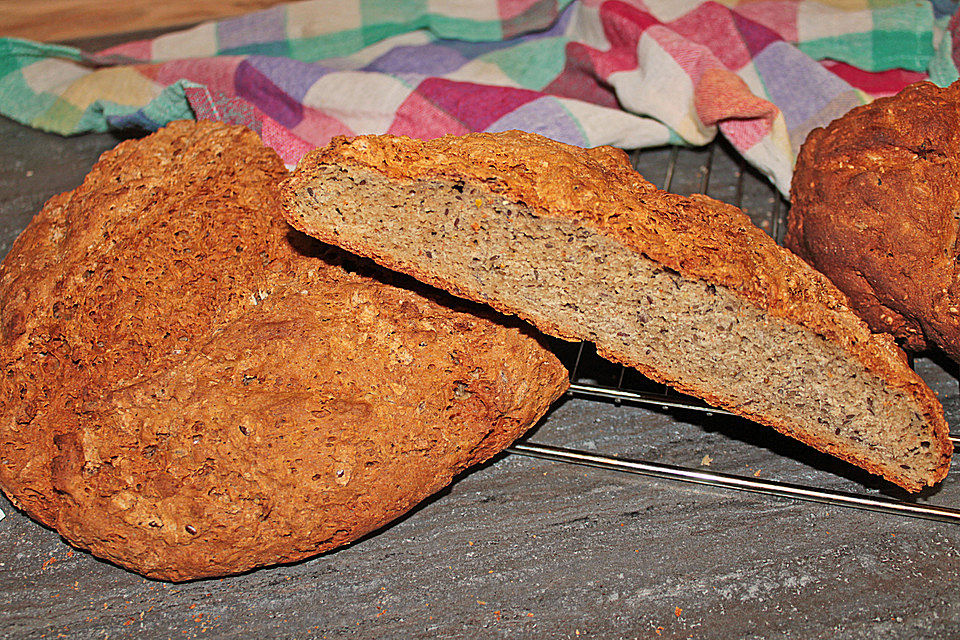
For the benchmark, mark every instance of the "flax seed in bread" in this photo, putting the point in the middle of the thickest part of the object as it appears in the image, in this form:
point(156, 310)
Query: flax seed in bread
point(686, 290)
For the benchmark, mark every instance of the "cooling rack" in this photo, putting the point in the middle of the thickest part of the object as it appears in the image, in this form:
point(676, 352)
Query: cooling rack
point(720, 172)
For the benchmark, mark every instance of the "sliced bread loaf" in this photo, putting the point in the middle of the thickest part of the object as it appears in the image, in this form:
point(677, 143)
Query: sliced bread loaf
point(686, 290)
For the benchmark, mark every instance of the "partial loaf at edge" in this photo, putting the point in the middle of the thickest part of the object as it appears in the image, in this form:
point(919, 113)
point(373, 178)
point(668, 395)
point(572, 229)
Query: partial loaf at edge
point(686, 290)
point(193, 389)
point(874, 205)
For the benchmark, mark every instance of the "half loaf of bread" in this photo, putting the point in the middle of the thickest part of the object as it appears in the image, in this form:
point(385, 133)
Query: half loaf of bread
point(686, 290)
point(193, 389)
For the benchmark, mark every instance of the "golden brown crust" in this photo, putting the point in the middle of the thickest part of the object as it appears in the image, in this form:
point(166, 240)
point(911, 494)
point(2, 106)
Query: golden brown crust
point(875, 197)
point(193, 389)
point(598, 188)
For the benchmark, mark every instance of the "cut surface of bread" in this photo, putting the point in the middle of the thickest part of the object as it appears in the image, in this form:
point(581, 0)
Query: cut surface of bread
point(686, 290)
point(192, 389)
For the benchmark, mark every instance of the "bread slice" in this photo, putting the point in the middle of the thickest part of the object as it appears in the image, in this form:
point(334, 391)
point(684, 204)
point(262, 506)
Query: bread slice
point(193, 389)
point(686, 290)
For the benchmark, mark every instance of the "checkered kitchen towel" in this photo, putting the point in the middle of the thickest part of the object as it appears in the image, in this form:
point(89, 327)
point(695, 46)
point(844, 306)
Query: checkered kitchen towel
point(587, 72)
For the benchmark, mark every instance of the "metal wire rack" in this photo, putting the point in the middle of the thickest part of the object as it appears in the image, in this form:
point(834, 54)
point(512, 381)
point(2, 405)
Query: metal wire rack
point(720, 172)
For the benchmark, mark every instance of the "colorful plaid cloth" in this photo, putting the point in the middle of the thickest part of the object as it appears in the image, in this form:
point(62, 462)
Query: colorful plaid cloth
point(587, 72)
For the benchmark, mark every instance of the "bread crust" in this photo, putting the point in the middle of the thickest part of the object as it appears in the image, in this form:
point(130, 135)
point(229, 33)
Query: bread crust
point(598, 188)
point(875, 197)
point(194, 389)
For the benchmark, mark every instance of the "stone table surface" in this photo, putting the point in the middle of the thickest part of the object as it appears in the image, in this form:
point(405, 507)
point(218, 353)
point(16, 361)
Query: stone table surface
point(525, 548)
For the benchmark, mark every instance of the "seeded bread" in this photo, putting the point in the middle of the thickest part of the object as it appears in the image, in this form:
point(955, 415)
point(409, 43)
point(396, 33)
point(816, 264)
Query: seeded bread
point(686, 290)
point(875, 202)
point(193, 389)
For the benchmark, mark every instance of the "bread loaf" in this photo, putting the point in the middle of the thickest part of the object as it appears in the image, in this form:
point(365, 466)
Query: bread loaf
point(193, 389)
point(686, 290)
point(876, 207)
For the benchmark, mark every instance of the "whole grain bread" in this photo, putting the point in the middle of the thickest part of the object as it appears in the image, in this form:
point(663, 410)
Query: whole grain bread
point(191, 388)
point(875, 202)
point(686, 290)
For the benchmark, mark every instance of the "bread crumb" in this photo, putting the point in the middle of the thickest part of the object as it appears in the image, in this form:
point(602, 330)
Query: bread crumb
point(705, 462)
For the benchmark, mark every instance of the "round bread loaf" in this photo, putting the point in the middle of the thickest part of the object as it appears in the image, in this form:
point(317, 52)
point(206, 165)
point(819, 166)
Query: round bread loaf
point(193, 389)
point(876, 207)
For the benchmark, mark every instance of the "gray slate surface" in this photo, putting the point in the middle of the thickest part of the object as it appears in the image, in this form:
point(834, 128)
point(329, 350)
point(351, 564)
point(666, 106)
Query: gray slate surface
point(523, 548)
